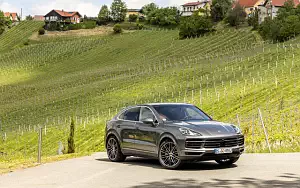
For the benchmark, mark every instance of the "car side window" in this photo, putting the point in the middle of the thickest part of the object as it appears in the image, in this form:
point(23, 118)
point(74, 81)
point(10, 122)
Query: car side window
point(146, 113)
point(133, 114)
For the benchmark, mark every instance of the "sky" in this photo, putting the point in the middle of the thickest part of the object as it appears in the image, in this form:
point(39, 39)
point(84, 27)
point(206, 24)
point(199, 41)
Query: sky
point(85, 7)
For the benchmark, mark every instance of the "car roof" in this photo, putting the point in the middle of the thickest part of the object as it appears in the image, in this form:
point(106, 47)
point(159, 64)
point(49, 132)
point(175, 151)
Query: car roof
point(161, 104)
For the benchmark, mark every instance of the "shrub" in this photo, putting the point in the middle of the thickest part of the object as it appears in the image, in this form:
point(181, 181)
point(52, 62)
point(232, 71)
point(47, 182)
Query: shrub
point(117, 28)
point(236, 16)
point(139, 26)
point(41, 31)
point(132, 18)
point(26, 43)
point(71, 144)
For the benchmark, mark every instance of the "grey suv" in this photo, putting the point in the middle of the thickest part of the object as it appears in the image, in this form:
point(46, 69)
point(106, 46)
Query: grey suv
point(172, 133)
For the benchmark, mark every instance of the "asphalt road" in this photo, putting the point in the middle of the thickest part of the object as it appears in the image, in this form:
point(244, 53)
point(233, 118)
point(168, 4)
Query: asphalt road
point(252, 170)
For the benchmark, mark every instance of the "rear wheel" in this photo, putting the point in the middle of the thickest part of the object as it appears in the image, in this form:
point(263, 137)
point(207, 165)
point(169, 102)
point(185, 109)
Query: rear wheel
point(168, 155)
point(228, 161)
point(113, 149)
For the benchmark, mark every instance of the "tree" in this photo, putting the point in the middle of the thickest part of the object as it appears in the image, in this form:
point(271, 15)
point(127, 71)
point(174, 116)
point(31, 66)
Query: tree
point(103, 15)
point(236, 16)
point(194, 26)
point(71, 143)
point(133, 17)
point(118, 10)
point(2, 22)
point(253, 19)
point(164, 16)
point(29, 17)
point(147, 9)
point(219, 9)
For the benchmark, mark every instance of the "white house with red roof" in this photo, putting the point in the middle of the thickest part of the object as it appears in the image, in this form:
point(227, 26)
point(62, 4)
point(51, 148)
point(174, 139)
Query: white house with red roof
point(189, 8)
point(63, 16)
point(13, 16)
point(270, 8)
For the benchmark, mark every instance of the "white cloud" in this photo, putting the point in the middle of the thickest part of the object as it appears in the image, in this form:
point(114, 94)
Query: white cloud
point(84, 8)
point(6, 7)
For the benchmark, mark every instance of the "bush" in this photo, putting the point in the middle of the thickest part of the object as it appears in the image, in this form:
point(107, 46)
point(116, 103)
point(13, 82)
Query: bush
point(236, 16)
point(194, 26)
point(139, 26)
point(117, 28)
point(133, 18)
point(41, 31)
point(26, 43)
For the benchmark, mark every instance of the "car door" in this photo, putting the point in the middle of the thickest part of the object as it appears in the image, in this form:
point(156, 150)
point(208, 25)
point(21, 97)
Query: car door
point(147, 134)
point(126, 126)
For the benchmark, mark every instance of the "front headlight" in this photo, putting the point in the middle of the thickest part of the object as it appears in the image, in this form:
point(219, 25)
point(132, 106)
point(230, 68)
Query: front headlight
point(189, 132)
point(236, 129)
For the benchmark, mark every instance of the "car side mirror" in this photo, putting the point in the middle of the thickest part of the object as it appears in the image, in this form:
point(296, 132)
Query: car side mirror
point(149, 121)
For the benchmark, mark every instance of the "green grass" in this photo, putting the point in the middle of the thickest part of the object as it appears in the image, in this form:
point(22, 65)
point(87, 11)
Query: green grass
point(228, 73)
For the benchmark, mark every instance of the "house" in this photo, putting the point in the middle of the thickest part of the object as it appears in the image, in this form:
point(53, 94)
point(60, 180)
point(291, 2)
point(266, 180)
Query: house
point(12, 16)
point(63, 16)
point(39, 18)
point(270, 8)
point(137, 12)
point(189, 8)
point(250, 5)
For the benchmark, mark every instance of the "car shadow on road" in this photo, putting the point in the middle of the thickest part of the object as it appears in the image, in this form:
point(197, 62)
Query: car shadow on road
point(290, 180)
point(187, 166)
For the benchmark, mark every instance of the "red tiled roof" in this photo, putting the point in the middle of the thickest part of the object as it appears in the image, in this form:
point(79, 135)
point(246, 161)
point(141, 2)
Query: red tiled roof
point(11, 14)
point(66, 13)
point(247, 3)
point(280, 3)
point(39, 17)
point(6, 14)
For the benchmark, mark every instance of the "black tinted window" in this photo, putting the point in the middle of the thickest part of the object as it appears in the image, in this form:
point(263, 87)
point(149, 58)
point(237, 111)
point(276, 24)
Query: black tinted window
point(132, 114)
point(180, 112)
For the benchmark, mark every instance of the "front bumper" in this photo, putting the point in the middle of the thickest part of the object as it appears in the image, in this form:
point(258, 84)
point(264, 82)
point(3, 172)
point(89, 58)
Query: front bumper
point(203, 148)
point(205, 154)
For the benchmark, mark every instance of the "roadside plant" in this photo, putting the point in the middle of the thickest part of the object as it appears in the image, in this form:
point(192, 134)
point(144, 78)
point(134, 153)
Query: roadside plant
point(117, 28)
point(71, 143)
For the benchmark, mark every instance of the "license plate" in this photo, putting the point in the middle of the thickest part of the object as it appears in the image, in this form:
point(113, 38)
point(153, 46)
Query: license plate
point(223, 150)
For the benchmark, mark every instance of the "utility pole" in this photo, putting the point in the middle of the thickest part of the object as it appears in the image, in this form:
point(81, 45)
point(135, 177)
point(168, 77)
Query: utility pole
point(21, 13)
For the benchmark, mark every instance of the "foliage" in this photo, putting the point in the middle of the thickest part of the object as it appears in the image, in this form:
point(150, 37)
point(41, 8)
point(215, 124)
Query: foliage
point(149, 9)
point(219, 9)
point(285, 26)
point(194, 26)
point(83, 25)
point(41, 31)
point(29, 18)
point(236, 16)
point(2, 22)
point(133, 18)
point(163, 16)
point(71, 143)
point(253, 19)
point(103, 16)
point(117, 28)
point(140, 26)
point(118, 10)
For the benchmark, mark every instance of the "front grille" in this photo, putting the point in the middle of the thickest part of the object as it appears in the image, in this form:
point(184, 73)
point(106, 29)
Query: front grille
point(214, 143)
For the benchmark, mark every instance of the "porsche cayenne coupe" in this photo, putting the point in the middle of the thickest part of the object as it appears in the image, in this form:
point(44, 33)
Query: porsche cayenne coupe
point(172, 133)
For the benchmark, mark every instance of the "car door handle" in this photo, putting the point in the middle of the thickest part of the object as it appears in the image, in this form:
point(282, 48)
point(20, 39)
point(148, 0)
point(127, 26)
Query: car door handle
point(118, 126)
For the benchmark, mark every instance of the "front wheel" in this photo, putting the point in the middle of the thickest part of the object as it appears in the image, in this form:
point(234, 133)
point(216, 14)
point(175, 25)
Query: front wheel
point(228, 161)
point(114, 152)
point(168, 155)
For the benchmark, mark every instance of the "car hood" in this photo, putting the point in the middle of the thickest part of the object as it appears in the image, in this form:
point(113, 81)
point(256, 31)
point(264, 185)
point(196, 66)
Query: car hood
point(208, 128)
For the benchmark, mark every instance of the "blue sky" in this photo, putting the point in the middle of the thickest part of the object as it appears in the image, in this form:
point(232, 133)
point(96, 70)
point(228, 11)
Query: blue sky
point(85, 7)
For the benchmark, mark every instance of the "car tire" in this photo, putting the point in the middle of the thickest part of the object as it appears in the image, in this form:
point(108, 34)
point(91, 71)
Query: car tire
point(113, 150)
point(229, 161)
point(168, 155)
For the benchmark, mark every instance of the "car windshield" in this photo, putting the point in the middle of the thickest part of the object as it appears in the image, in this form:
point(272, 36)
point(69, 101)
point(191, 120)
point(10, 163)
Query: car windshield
point(180, 113)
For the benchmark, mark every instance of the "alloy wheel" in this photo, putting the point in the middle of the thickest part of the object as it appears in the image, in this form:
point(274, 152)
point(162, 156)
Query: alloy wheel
point(112, 149)
point(169, 155)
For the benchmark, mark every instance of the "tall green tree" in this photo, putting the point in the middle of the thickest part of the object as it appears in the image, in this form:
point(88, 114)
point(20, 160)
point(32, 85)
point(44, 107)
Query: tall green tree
point(2, 22)
point(103, 15)
point(118, 10)
point(147, 9)
point(236, 16)
point(29, 17)
point(71, 142)
point(219, 9)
